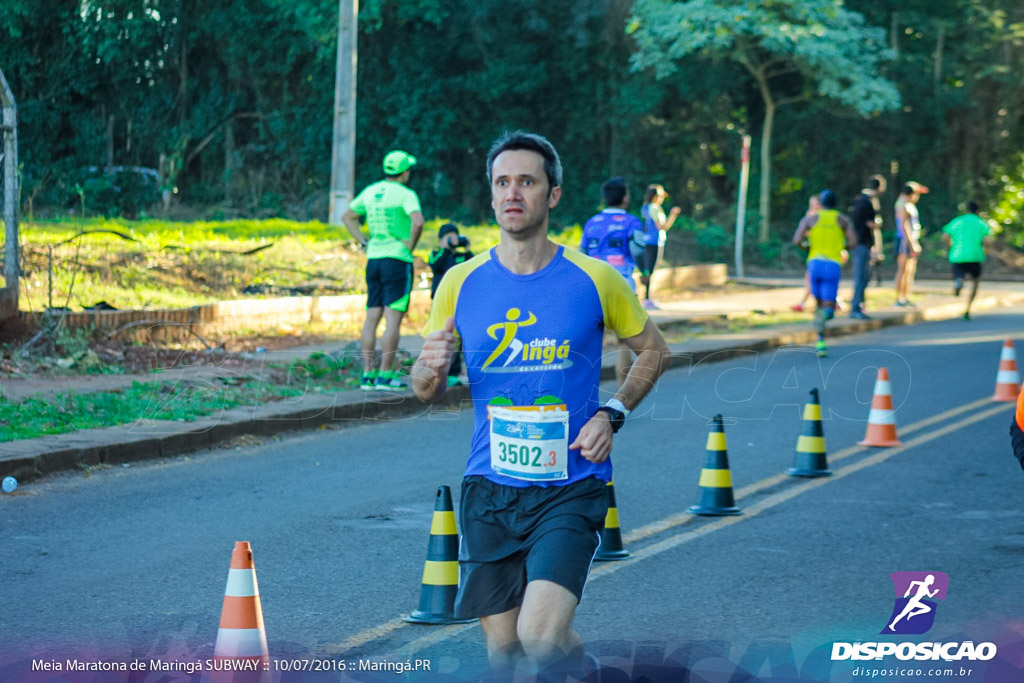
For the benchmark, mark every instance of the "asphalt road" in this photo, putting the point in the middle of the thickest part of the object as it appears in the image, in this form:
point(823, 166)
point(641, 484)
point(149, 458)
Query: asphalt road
point(131, 562)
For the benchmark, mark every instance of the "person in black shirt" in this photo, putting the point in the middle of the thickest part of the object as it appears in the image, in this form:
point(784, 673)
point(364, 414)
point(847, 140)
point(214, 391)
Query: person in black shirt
point(867, 223)
point(452, 249)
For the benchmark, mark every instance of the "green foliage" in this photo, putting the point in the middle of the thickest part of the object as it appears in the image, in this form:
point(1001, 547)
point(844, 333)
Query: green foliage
point(171, 80)
point(1007, 209)
point(715, 244)
point(794, 50)
point(832, 48)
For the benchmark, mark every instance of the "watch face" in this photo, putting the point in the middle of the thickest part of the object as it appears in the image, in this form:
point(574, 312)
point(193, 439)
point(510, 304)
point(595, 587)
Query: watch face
point(616, 417)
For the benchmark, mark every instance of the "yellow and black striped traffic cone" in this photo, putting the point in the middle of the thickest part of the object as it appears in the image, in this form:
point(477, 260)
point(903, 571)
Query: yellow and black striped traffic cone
point(611, 536)
point(716, 479)
point(441, 570)
point(810, 446)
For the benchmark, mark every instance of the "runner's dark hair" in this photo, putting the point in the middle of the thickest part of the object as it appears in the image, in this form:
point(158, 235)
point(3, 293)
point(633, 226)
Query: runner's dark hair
point(614, 191)
point(520, 139)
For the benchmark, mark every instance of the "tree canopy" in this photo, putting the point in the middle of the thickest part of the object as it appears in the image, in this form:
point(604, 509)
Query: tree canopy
point(793, 49)
point(231, 100)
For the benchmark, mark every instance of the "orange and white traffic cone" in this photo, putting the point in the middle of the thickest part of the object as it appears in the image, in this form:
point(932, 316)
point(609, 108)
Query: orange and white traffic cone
point(882, 418)
point(1007, 379)
point(241, 651)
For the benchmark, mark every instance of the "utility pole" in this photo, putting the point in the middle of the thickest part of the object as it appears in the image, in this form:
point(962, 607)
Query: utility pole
point(343, 147)
point(741, 202)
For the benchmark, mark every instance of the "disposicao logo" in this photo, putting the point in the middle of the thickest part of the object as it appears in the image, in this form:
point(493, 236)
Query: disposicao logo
point(916, 592)
point(913, 613)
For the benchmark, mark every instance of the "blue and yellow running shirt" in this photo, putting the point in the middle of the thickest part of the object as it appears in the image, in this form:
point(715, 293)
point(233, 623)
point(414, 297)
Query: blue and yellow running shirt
point(535, 339)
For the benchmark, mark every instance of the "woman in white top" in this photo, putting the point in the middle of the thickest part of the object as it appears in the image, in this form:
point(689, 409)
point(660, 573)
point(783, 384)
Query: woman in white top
point(908, 240)
point(654, 219)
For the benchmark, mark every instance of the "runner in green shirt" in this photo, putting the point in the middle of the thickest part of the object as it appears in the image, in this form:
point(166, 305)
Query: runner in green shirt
point(395, 221)
point(966, 235)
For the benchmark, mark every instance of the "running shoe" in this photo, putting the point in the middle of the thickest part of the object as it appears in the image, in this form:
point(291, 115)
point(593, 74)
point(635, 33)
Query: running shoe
point(967, 316)
point(799, 308)
point(366, 383)
point(454, 381)
point(860, 315)
point(820, 349)
point(649, 305)
point(388, 382)
point(902, 302)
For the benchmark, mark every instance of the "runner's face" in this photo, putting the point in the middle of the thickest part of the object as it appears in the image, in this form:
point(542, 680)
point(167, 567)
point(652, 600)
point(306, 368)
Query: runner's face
point(520, 194)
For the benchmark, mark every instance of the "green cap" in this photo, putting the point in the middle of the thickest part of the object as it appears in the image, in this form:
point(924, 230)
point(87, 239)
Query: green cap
point(398, 162)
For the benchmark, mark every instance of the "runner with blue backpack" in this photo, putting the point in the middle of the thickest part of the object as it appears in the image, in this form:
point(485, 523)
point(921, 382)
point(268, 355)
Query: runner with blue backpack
point(607, 236)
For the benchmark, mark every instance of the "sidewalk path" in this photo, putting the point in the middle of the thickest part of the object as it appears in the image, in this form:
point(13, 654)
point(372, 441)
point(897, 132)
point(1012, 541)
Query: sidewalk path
point(31, 458)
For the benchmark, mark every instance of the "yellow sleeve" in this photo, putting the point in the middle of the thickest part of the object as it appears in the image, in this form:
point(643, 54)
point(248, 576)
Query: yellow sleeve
point(623, 313)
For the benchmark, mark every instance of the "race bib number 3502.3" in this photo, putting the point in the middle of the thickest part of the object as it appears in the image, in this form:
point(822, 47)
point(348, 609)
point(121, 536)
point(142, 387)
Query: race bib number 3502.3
point(530, 442)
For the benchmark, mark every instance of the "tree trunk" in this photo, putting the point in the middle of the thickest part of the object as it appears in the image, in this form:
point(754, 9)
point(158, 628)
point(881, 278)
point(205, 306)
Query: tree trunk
point(182, 65)
point(229, 156)
point(110, 144)
point(765, 201)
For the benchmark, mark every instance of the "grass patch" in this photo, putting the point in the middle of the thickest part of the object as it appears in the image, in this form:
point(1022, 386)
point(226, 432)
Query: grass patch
point(183, 401)
point(153, 264)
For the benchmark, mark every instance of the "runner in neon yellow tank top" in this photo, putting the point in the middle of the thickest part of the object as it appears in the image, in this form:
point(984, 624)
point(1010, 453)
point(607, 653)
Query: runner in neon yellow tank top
point(829, 234)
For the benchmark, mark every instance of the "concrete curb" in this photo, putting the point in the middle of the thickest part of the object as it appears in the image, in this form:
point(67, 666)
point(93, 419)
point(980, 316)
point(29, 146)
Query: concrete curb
point(148, 439)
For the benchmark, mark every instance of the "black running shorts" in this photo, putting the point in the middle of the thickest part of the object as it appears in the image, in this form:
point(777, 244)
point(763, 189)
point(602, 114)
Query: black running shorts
point(972, 268)
point(514, 535)
point(388, 283)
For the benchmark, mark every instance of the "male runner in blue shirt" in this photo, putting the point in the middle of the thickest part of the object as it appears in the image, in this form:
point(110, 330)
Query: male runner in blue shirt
point(607, 236)
point(531, 316)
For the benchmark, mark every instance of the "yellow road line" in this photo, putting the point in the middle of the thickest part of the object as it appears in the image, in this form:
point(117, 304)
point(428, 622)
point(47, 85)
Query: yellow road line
point(754, 510)
point(783, 496)
point(678, 519)
point(365, 637)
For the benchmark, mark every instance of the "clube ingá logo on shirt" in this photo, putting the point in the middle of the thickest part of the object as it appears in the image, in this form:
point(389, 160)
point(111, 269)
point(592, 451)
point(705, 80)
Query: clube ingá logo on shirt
point(514, 355)
point(916, 593)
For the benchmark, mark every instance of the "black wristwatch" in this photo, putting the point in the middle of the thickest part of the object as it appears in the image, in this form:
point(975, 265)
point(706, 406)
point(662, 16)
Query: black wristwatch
point(616, 417)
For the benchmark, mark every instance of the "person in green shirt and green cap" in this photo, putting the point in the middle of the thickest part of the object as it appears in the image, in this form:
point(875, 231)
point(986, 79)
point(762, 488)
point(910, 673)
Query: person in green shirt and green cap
point(966, 236)
point(394, 221)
